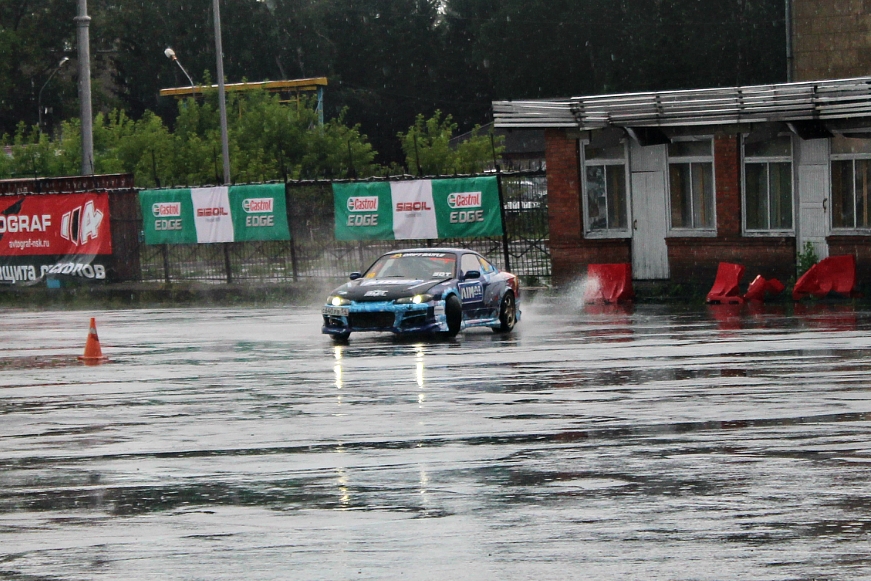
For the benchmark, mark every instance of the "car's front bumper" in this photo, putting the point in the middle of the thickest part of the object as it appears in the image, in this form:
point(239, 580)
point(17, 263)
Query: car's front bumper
point(385, 316)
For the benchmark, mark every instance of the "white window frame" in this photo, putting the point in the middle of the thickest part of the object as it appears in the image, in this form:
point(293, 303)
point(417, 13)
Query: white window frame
point(855, 230)
point(684, 232)
point(589, 233)
point(767, 160)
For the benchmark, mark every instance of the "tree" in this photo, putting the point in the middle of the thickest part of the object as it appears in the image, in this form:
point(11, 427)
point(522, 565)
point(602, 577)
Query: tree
point(34, 37)
point(429, 149)
point(268, 141)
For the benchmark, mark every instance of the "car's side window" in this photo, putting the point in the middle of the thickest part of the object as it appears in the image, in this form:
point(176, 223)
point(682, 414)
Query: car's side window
point(486, 267)
point(469, 262)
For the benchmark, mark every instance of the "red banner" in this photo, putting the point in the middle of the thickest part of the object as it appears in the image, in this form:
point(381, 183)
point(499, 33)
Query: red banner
point(60, 225)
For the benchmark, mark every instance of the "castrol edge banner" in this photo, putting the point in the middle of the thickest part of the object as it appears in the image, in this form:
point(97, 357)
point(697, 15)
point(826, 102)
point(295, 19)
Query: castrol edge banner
point(214, 214)
point(63, 234)
point(418, 209)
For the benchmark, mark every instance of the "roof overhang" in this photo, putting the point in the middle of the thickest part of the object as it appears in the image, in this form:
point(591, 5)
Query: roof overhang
point(807, 102)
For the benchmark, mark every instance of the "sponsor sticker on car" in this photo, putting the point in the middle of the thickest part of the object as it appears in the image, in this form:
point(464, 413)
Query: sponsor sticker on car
point(472, 293)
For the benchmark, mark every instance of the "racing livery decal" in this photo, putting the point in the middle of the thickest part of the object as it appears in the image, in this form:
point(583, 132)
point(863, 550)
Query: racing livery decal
point(385, 297)
point(472, 292)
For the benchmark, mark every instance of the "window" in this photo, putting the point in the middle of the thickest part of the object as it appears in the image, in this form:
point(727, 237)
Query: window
point(768, 185)
point(691, 184)
point(851, 183)
point(607, 209)
point(486, 267)
point(469, 262)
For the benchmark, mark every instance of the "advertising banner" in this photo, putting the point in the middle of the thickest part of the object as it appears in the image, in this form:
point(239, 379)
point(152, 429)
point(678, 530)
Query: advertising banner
point(63, 234)
point(418, 209)
point(214, 214)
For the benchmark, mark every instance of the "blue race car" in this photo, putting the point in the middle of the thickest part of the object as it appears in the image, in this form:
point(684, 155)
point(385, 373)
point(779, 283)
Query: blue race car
point(424, 290)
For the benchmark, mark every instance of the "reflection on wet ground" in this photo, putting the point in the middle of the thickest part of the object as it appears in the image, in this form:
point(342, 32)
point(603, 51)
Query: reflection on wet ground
point(645, 442)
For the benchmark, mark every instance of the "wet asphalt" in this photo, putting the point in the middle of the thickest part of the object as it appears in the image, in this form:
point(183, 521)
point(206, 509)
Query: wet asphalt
point(593, 442)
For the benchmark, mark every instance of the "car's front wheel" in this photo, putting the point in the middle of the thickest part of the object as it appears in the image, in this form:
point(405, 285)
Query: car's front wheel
point(454, 315)
point(507, 313)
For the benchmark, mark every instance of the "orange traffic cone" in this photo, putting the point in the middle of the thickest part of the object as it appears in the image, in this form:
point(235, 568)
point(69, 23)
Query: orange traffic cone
point(93, 354)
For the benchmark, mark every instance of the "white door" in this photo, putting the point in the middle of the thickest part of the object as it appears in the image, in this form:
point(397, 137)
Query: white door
point(813, 217)
point(649, 226)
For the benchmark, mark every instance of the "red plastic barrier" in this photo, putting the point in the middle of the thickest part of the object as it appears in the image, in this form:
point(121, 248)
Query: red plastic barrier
point(760, 286)
point(725, 289)
point(835, 274)
point(775, 287)
point(609, 283)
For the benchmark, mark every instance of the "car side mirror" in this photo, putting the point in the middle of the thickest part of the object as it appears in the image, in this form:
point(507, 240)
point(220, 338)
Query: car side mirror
point(355, 275)
point(472, 274)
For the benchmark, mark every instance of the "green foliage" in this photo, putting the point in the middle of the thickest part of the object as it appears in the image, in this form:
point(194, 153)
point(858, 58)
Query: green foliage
point(386, 60)
point(34, 154)
point(806, 258)
point(268, 141)
point(429, 151)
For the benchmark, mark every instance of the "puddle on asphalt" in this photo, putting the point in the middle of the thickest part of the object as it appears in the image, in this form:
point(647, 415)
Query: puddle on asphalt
point(640, 441)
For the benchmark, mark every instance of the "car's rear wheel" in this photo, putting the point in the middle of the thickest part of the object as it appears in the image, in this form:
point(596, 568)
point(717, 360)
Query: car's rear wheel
point(507, 313)
point(454, 315)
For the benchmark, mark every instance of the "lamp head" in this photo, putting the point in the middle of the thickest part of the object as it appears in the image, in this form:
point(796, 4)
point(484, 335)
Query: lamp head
point(170, 54)
point(63, 61)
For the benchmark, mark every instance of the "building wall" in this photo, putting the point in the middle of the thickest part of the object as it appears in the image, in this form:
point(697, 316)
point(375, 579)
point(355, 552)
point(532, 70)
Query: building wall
point(570, 252)
point(564, 212)
point(831, 39)
point(695, 260)
point(858, 246)
point(692, 260)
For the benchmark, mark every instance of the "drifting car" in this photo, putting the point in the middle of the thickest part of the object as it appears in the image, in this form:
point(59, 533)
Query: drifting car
point(424, 290)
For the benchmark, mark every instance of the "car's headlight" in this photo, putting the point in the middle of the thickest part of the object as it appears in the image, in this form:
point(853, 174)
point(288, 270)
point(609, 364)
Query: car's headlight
point(415, 300)
point(338, 301)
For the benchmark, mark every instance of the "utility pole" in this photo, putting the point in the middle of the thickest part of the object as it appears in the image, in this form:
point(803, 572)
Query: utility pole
point(222, 100)
point(83, 21)
point(789, 56)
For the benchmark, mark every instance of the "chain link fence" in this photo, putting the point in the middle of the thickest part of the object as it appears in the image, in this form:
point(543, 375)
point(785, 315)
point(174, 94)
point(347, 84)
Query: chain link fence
point(313, 252)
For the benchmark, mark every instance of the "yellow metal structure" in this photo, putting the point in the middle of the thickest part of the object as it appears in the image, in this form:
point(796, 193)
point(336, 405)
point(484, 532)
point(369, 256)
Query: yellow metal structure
point(290, 86)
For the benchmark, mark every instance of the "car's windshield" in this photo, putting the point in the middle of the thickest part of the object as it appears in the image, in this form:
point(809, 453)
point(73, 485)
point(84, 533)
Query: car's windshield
point(413, 265)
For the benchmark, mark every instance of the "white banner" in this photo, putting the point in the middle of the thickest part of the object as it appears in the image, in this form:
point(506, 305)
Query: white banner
point(414, 214)
point(212, 217)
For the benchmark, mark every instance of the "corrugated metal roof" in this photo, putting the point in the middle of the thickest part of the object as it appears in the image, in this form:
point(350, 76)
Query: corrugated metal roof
point(534, 114)
point(832, 99)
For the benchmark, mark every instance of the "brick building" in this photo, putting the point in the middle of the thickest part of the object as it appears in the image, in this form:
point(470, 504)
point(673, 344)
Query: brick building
point(674, 182)
point(831, 39)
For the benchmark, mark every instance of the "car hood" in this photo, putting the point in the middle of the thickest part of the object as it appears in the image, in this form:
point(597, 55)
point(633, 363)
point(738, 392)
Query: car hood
point(385, 289)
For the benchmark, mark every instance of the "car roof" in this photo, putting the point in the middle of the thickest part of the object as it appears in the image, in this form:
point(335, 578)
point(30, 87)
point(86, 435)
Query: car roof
point(443, 250)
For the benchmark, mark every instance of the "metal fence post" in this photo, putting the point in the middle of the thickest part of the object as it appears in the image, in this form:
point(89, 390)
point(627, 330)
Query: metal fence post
point(287, 201)
point(164, 249)
point(227, 266)
point(505, 253)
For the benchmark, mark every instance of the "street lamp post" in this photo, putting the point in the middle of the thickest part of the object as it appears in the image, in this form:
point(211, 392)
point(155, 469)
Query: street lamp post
point(62, 62)
point(222, 101)
point(170, 54)
point(83, 22)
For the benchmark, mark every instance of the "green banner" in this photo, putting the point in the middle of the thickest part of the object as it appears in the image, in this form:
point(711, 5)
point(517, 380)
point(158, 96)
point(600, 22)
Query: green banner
point(214, 214)
point(467, 208)
point(418, 209)
point(363, 211)
point(259, 212)
point(168, 217)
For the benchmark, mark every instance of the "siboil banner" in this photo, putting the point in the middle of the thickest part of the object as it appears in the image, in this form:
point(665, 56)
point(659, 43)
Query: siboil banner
point(418, 209)
point(54, 234)
point(214, 214)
